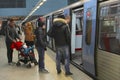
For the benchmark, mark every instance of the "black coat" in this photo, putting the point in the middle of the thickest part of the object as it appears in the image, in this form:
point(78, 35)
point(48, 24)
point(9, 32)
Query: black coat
point(60, 32)
point(40, 37)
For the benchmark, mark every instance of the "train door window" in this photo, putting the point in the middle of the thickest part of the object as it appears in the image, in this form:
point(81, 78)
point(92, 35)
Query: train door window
point(88, 27)
point(49, 25)
point(109, 34)
point(104, 11)
point(79, 22)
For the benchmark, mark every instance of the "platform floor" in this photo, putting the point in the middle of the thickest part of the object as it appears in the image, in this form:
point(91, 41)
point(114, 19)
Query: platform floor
point(12, 72)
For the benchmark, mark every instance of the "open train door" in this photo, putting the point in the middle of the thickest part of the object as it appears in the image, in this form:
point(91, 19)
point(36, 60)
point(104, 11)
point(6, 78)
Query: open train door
point(76, 35)
point(48, 25)
point(89, 31)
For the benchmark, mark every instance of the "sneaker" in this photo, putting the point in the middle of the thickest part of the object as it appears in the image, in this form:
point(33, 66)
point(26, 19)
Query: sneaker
point(13, 62)
point(58, 72)
point(43, 70)
point(10, 63)
point(68, 73)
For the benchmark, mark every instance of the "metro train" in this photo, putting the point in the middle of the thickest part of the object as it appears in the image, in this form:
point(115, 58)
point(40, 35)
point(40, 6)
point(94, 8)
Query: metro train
point(95, 36)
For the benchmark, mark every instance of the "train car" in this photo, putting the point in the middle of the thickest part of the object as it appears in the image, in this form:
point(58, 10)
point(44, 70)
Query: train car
point(108, 47)
point(76, 12)
point(95, 36)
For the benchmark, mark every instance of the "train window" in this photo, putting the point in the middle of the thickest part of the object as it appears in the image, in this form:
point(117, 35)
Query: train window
point(114, 8)
point(105, 11)
point(79, 26)
point(109, 36)
point(88, 27)
point(79, 22)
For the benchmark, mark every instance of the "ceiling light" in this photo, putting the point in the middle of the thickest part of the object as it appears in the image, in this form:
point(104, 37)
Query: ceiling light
point(40, 3)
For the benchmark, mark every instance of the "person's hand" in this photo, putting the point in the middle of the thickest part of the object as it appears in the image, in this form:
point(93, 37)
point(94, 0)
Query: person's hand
point(20, 39)
point(45, 49)
point(14, 41)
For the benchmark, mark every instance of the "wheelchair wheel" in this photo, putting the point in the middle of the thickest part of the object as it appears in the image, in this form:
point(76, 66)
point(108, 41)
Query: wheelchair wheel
point(29, 65)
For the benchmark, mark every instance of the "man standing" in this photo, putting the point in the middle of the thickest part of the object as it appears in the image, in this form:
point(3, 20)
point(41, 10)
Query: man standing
point(11, 36)
point(61, 34)
point(41, 43)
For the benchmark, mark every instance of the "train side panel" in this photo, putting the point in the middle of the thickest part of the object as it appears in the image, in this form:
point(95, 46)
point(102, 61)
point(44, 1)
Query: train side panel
point(108, 53)
point(108, 66)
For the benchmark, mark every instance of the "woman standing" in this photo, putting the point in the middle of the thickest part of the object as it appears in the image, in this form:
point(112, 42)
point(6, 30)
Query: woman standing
point(29, 38)
point(11, 36)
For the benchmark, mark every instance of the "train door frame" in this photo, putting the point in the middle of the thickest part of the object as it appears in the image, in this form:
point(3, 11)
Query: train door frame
point(76, 39)
point(48, 25)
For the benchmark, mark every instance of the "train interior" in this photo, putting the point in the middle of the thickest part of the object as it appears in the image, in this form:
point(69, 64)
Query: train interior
point(76, 41)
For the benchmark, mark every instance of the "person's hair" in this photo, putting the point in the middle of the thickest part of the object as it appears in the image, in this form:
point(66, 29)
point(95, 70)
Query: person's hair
point(23, 23)
point(11, 20)
point(67, 17)
point(40, 22)
point(28, 24)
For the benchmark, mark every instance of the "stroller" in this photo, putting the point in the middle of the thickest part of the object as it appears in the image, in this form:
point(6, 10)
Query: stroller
point(25, 54)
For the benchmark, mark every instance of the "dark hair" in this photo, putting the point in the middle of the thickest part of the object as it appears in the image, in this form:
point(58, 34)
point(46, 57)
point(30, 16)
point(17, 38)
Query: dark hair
point(38, 19)
point(40, 23)
point(61, 16)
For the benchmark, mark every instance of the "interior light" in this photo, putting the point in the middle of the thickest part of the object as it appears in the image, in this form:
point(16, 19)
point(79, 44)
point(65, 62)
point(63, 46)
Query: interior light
point(44, 0)
point(41, 4)
point(37, 7)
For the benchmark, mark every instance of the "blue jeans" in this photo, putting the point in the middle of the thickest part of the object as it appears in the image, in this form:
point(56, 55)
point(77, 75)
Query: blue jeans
point(63, 50)
point(41, 53)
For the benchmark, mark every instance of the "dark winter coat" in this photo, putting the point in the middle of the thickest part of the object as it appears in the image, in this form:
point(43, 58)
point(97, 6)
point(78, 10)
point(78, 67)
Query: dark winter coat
point(11, 34)
point(60, 32)
point(40, 37)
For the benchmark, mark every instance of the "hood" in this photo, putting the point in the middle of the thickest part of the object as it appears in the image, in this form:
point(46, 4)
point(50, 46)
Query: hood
point(58, 22)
